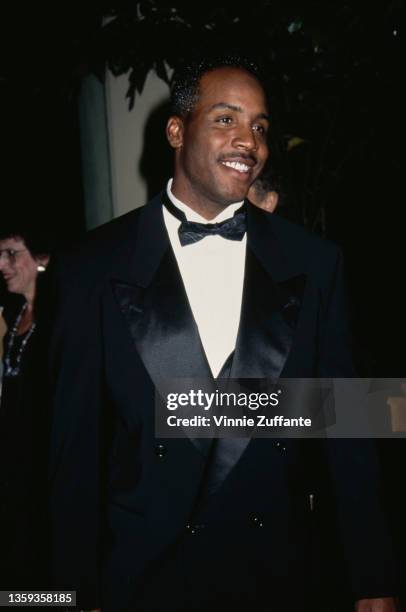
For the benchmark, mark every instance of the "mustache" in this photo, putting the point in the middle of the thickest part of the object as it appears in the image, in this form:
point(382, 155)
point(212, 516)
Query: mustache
point(234, 155)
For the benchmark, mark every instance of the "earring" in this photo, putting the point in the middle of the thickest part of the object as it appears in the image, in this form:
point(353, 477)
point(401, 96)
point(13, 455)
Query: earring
point(41, 268)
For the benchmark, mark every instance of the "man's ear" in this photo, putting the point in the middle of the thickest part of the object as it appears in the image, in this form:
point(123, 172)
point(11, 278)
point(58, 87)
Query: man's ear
point(174, 132)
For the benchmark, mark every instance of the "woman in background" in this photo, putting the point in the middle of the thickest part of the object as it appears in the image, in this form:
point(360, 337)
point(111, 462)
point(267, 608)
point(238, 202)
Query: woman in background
point(23, 419)
point(3, 329)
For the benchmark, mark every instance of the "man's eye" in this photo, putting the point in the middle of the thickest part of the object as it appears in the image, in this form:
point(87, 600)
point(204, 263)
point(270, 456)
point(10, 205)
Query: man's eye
point(226, 120)
point(259, 128)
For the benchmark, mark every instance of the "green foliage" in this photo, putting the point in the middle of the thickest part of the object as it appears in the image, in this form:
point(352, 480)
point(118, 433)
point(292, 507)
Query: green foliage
point(332, 69)
point(328, 64)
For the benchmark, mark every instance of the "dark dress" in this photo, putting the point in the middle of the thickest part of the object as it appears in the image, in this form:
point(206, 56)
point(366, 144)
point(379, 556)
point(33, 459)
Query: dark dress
point(23, 435)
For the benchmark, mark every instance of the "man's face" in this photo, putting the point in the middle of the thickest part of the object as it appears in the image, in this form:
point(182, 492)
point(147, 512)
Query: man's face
point(221, 145)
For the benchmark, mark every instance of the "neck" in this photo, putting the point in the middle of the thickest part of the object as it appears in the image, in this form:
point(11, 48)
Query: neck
point(202, 206)
point(29, 298)
point(27, 318)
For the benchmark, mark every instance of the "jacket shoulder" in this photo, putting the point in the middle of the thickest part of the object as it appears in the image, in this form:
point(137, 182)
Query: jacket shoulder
point(301, 242)
point(102, 248)
point(317, 257)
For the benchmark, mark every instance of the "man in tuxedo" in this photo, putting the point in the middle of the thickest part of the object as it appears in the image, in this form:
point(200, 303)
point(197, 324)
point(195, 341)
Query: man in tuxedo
point(200, 284)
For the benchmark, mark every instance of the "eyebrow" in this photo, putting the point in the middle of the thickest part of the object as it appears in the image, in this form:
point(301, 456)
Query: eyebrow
point(237, 109)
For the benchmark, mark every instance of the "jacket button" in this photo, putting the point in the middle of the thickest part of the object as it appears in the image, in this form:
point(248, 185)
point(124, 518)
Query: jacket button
point(160, 450)
point(193, 529)
point(257, 521)
point(281, 448)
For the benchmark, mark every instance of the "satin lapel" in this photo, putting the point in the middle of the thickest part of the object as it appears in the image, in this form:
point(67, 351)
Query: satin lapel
point(158, 314)
point(162, 325)
point(272, 297)
point(268, 319)
point(271, 304)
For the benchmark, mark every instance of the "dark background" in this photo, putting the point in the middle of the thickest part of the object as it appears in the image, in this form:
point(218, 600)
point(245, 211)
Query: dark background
point(333, 71)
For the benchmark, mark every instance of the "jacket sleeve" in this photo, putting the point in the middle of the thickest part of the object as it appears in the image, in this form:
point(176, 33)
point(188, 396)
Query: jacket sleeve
point(353, 465)
point(77, 401)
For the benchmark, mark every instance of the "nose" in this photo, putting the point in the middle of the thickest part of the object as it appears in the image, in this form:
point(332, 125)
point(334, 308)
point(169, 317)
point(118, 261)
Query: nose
point(4, 262)
point(245, 139)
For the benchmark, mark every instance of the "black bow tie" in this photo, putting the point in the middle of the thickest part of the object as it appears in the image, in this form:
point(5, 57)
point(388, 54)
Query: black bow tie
point(190, 232)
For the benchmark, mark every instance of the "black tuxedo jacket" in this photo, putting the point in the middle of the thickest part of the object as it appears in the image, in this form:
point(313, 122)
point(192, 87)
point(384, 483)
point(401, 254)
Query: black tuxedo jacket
point(120, 498)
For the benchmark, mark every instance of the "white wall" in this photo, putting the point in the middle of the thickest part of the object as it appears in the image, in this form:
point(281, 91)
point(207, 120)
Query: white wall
point(125, 130)
point(96, 171)
point(112, 141)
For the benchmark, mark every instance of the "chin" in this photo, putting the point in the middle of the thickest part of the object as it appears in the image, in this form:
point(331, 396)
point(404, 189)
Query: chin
point(12, 288)
point(235, 195)
point(239, 196)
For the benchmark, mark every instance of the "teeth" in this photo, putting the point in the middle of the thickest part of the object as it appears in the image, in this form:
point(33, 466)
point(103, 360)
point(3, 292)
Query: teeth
point(237, 166)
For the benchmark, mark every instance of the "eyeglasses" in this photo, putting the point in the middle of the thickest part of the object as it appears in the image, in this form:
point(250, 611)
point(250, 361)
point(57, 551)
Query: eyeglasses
point(10, 254)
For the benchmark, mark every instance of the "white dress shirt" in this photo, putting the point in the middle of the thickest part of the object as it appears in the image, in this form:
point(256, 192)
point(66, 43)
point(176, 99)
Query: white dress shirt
point(212, 271)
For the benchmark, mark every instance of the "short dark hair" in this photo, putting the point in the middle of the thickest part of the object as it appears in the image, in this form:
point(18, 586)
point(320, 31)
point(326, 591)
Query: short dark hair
point(35, 238)
point(265, 183)
point(186, 80)
point(271, 179)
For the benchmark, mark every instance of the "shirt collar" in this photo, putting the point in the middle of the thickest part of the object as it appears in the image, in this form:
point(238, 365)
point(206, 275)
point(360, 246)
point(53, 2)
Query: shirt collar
point(191, 215)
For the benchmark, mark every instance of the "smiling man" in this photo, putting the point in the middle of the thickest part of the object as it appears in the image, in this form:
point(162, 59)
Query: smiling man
point(220, 147)
point(199, 284)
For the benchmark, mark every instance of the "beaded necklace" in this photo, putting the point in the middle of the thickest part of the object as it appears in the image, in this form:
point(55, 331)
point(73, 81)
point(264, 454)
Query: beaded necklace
point(10, 370)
